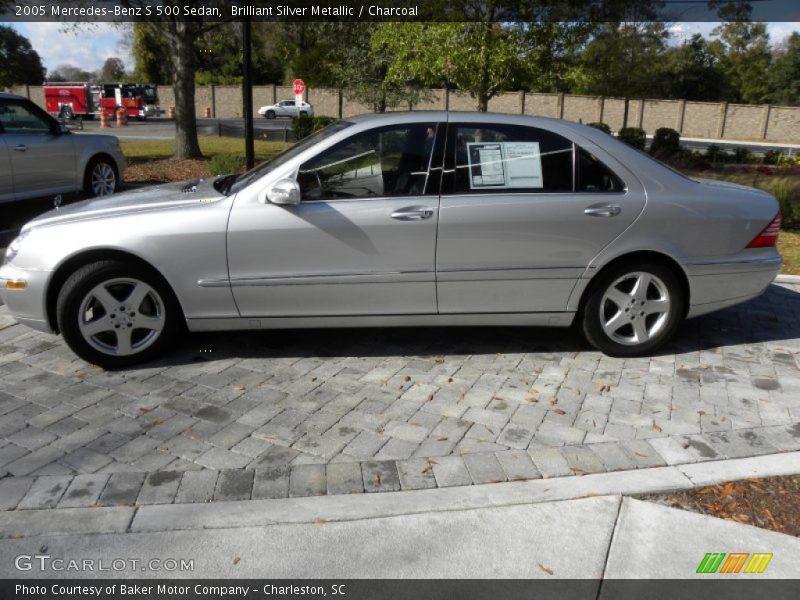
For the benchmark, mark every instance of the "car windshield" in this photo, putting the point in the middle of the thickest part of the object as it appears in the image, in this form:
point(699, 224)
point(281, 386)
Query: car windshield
point(245, 179)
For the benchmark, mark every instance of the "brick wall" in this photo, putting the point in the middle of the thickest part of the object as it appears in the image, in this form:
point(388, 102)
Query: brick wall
point(693, 119)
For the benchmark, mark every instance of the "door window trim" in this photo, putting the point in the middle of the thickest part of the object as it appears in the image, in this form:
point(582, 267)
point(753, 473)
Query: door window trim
point(447, 185)
point(434, 164)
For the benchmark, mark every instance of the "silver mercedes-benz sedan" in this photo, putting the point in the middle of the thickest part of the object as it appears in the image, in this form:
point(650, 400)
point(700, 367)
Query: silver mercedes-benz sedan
point(424, 218)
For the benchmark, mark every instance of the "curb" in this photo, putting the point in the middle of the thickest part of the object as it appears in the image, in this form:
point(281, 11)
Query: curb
point(340, 508)
point(787, 279)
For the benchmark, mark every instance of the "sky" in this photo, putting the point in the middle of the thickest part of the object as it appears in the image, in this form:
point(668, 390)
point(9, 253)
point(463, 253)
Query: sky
point(58, 43)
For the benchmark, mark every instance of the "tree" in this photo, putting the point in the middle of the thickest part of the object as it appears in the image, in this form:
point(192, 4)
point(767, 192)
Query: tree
point(746, 61)
point(70, 73)
point(785, 74)
point(480, 58)
point(693, 71)
point(623, 59)
point(19, 62)
point(153, 63)
point(113, 69)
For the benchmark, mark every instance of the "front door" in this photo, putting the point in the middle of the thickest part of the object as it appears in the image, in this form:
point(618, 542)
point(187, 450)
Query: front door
point(361, 242)
point(42, 160)
point(523, 212)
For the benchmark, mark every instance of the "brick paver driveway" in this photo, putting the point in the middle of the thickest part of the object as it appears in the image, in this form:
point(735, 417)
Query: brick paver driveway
point(255, 415)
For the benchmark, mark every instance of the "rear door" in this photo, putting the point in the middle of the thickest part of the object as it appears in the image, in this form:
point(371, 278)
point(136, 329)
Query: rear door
point(523, 212)
point(42, 159)
point(6, 177)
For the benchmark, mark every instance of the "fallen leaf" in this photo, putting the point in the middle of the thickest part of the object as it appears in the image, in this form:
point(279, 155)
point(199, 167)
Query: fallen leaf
point(531, 399)
point(430, 397)
point(577, 471)
point(685, 444)
point(157, 422)
point(438, 360)
point(145, 409)
point(545, 569)
point(377, 478)
point(320, 521)
point(642, 454)
point(236, 560)
point(554, 401)
point(538, 370)
point(441, 439)
point(429, 466)
point(578, 391)
point(656, 426)
point(239, 387)
point(449, 380)
point(407, 378)
point(313, 379)
point(560, 411)
point(16, 536)
point(460, 397)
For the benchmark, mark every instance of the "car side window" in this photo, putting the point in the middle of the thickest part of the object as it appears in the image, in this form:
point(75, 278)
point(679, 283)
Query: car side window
point(594, 176)
point(16, 117)
point(386, 161)
point(500, 158)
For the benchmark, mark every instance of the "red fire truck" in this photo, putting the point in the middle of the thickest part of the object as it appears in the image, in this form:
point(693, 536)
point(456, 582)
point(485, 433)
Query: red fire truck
point(82, 99)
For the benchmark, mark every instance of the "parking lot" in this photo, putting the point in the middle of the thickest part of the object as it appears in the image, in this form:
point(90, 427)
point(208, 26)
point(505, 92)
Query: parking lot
point(298, 413)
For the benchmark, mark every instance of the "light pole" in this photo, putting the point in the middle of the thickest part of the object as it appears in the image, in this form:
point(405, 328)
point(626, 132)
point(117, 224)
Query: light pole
point(247, 94)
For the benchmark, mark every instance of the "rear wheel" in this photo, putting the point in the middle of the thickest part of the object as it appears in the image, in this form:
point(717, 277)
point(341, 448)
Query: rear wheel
point(633, 309)
point(270, 114)
point(101, 178)
point(115, 314)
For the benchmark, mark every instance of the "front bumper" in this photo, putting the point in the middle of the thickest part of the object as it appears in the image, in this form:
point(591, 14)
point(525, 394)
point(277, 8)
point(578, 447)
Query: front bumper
point(28, 305)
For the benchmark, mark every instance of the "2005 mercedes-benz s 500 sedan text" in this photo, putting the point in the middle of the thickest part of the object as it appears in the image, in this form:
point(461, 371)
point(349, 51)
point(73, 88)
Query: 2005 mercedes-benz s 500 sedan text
point(425, 218)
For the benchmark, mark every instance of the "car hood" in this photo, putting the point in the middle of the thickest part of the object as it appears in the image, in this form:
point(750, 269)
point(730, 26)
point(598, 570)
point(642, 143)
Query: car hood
point(158, 197)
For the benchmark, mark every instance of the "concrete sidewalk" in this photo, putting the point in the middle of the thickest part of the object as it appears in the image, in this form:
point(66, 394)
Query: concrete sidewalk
point(574, 528)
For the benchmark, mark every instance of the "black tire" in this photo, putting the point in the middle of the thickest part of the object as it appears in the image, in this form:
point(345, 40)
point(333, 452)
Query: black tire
point(303, 113)
point(270, 114)
point(96, 162)
point(73, 296)
point(656, 332)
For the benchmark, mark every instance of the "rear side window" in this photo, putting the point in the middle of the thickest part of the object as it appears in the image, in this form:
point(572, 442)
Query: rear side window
point(507, 158)
point(20, 117)
point(594, 176)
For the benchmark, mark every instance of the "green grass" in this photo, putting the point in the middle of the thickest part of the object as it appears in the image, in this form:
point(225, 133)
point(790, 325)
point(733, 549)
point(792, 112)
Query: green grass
point(789, 247)
point(138, 151)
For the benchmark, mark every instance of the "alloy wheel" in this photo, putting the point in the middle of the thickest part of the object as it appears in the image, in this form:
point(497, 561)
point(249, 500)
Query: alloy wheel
point(121, 317)
point(103, 179)
point(635, 308)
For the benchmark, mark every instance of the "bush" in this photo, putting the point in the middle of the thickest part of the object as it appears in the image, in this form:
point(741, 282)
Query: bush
point(600, 126)
point(716, 154)
point(223, 164)
point(666, 143)
point(633, 136)
point(742, 156)
point(303, 125)
point(771, 157)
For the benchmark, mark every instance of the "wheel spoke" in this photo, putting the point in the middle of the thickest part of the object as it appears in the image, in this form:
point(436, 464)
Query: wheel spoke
point(151, 323)
point(97, 326)
point(640, 330)
point(618, 297)
point(102, 295)
point(138, 294)
point(124, 342)
point(639, 290)
point(614, 323)
point(656, 306)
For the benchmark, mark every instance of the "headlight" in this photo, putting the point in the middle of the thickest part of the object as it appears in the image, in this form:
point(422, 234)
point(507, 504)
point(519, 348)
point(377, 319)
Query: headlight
point(13, 247)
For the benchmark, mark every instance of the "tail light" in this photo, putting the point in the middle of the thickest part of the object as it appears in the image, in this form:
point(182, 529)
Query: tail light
point(769, 235)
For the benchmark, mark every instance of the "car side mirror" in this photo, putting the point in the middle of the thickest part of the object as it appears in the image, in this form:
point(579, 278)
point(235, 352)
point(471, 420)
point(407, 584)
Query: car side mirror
point(285, 191)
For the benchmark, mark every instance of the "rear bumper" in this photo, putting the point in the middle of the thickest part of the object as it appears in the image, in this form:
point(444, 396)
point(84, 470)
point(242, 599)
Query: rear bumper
point(718, 285)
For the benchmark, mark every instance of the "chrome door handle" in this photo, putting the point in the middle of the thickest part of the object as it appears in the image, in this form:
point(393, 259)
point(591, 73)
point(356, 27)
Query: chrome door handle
point(610, 210)
point(21, 148)
point(412, 213)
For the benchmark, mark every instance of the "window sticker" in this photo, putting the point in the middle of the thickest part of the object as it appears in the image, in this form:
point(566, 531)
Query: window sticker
point(504, 165)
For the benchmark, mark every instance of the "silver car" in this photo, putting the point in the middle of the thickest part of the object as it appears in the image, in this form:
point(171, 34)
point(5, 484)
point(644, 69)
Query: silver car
point(286, 108)
point(38, 157)
point(424, 218)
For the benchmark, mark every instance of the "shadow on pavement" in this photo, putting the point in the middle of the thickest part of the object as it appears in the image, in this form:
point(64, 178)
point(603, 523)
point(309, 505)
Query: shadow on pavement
point(771, 318)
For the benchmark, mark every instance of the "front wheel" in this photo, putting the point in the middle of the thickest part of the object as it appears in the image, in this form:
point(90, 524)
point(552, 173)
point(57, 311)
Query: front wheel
point(114, 314)
point(633, 310)
point(270, 114)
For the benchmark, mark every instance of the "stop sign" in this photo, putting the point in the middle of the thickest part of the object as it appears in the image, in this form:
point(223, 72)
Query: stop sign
point(299, 86)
